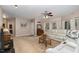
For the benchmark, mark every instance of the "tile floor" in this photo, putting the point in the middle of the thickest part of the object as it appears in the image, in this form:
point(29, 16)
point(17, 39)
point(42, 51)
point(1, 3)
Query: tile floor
point(29, 45)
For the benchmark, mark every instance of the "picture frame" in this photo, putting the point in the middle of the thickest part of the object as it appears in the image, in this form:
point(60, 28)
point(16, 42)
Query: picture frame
point(23, 24)
point(54, 25)
point(47, 26)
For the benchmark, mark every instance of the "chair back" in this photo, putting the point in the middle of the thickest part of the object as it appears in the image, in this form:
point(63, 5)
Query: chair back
point(44, 36)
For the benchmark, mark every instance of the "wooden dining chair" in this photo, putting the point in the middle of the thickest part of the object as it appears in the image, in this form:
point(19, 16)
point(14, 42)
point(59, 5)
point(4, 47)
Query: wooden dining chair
point(42, 39)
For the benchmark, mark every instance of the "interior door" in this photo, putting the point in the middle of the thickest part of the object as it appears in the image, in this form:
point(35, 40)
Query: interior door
point(40, 31)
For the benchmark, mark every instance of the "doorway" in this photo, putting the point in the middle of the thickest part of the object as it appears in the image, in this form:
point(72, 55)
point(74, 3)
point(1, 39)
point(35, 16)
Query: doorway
point(40, 30)
point(10, 25)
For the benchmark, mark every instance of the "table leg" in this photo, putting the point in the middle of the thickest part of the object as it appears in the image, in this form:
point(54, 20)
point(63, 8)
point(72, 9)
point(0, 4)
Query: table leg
point(50, 42)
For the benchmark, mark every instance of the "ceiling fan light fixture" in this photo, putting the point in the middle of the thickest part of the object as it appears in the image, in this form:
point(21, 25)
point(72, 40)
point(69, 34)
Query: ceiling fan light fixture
point(45, 17)
point(47, 14)
point(16, 6)
point(4, 16)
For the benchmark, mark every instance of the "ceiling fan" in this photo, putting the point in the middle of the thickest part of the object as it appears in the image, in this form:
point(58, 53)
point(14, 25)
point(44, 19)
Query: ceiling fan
point(47, 13)
point(16, 6)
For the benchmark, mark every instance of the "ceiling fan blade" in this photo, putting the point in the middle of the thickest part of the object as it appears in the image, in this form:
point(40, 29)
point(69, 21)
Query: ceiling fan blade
point(46, 13)
point(50, 15)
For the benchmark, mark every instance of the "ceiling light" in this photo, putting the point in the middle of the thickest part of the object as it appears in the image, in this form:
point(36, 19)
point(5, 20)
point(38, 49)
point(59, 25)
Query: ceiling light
point(4, 16)
point(45, 17)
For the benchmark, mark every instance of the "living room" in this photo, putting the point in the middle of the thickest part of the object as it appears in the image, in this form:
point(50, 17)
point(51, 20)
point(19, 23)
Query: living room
point(24, 21)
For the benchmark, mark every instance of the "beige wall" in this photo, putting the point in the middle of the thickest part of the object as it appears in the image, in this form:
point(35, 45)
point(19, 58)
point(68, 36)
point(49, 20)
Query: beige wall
point(23, 31)
point(1, 18)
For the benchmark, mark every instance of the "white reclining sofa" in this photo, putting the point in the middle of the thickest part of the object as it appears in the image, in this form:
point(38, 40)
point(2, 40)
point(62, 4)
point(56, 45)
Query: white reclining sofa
point(64, 47)
point(57, 34)
point(68, 45)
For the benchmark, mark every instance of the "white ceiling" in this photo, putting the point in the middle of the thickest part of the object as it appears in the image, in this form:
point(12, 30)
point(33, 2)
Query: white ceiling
point(31, 11)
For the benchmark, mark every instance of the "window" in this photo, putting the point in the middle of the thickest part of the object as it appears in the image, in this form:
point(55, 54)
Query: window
point(67, 25)
point(77, 23)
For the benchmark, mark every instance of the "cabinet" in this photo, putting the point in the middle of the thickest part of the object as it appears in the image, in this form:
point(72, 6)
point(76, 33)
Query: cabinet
point(10, 28)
